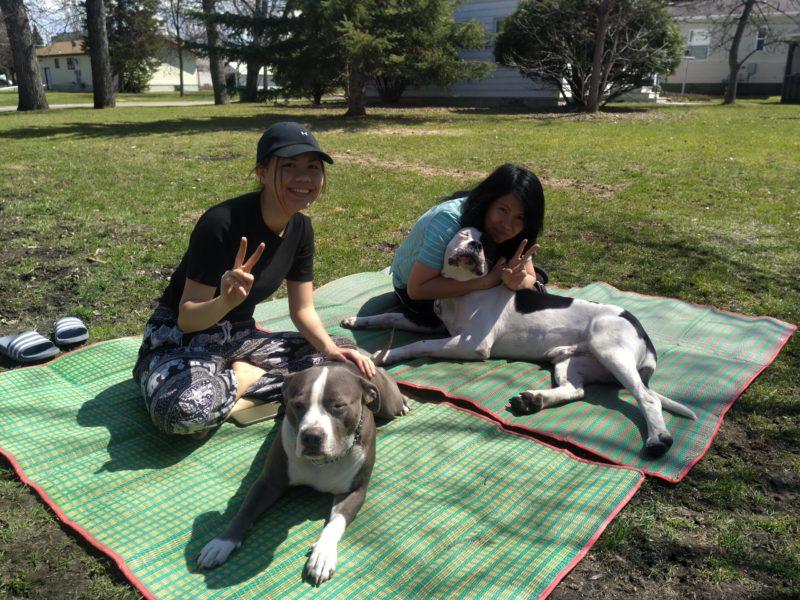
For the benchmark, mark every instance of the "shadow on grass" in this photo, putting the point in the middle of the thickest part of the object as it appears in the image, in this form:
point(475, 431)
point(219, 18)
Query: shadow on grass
point(691, 256)
point(255, 123)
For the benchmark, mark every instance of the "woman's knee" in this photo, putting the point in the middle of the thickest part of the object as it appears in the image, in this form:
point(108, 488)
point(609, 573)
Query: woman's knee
point(192, 401)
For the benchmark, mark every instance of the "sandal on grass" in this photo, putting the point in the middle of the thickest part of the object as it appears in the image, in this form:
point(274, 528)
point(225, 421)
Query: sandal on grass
point(27, 347)
point(69, 331)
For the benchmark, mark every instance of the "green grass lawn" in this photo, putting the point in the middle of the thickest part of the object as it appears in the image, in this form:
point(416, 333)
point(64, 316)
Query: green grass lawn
point(55, 98)
point(695, 202)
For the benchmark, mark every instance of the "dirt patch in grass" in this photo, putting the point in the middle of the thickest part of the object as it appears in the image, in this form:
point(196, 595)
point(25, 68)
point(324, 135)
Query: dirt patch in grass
point(602, 190)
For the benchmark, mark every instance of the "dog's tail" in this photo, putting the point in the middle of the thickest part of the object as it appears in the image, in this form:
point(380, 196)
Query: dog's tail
point(378, 358)
point(675, 408)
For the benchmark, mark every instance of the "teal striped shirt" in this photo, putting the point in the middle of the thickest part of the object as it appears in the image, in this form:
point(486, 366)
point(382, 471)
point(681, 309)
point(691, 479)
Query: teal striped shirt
point(427, 240)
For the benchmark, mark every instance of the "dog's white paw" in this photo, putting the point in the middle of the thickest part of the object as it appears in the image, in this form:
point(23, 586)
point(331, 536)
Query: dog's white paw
point(349, 322)
point(559, 353)
point(406, 408)
point(321, 565)
point(216, 552)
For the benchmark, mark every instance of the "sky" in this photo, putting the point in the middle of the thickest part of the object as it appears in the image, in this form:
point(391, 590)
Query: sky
point(52, 16)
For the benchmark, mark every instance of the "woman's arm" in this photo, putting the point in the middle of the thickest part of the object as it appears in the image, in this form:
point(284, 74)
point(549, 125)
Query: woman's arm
point(305, 318)
point(199, 309)
point(426, 283)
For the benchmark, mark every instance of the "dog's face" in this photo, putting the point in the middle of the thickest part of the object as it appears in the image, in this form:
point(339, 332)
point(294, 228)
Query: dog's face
point(323, 406)
point(469, 254)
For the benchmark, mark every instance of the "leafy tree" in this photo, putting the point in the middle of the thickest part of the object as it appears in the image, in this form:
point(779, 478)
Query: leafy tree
point(26, 65)
point(134, 42)
point(592, 51)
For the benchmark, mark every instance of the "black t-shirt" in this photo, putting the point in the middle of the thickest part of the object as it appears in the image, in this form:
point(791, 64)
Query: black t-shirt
point(215, 242)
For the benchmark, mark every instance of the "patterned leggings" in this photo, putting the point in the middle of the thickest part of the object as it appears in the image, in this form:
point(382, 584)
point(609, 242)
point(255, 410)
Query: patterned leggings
point(187, 382)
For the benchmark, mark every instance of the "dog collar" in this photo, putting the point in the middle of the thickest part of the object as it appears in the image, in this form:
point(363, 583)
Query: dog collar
point(356, 439)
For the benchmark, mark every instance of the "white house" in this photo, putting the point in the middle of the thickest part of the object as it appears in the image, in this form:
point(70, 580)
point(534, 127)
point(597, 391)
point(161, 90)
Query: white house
point(66, 67)
point(704, 69)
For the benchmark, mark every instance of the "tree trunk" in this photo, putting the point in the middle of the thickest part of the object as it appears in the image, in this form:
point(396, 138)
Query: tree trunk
point(355, 93)
point(30, 91)
point(251, 83)
point(733, 53)
point(596, 80)
point(215, 60)
point(102, 82)
point(179, 41)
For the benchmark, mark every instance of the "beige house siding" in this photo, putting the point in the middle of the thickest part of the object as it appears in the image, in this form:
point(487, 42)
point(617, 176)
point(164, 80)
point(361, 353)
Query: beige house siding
point(762, 73)
point(64, 67)
point(66, 72)
point(167, 77)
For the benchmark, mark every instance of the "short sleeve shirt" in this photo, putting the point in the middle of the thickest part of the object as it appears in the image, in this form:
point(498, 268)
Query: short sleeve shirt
point(215, 241)
point(427, 240)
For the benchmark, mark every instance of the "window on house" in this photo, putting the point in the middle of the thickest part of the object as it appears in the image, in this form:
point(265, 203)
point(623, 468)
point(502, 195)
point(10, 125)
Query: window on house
point(698, 44)
point(761, 38)
point(71, 64)
point(493, 30)
point(58, 64)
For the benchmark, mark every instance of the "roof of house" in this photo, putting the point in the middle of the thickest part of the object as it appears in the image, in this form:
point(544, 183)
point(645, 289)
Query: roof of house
point(61, 49)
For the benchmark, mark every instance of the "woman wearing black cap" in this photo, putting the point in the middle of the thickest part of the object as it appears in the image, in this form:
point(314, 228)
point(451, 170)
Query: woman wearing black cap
point(201, 353)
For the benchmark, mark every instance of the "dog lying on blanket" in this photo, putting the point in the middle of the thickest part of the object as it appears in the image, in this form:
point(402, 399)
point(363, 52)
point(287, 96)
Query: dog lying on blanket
point(586, 342)
point(326, 441)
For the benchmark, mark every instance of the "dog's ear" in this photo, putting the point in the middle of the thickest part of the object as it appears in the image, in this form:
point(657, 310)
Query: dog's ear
point(285, 387)
point(370, 396)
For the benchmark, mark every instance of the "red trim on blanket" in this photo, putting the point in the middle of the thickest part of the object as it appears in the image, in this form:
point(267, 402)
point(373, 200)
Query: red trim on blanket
point(591, 542)
point(583, 551)
point(118, 560)
point(516, 427)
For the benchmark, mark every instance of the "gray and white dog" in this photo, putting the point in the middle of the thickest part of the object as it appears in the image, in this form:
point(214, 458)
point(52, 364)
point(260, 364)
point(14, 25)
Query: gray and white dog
point(587, 342)
point(326, 441)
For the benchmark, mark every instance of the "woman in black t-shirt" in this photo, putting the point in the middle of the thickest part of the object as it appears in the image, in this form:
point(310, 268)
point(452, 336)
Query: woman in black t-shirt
point(202, 356)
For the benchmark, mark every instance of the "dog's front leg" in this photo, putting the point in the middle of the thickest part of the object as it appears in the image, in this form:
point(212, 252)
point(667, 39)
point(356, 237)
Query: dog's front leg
point(321, 565)
point(459, 347)
point(387, 321)
point(270, 486)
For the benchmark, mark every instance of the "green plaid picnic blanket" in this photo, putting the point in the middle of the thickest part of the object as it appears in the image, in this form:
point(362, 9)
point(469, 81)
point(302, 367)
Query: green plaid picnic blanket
point(707, 358)
point(456, 507)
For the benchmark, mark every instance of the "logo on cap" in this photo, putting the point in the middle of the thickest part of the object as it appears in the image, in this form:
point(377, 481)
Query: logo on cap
point(303, 132)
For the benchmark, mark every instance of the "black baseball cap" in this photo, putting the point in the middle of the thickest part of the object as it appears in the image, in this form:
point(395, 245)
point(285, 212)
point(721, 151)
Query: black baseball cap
point(287, 139)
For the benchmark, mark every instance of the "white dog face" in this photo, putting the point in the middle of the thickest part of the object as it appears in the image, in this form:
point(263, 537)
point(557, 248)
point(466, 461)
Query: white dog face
point(466, 255)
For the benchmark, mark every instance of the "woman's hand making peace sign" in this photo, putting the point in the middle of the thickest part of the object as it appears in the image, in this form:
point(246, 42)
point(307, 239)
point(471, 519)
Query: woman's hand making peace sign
point(514, 272)
point(235, 284)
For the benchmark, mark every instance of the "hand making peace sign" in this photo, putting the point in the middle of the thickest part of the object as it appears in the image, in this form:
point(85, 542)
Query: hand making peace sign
point(235, 284)
point(514, 271)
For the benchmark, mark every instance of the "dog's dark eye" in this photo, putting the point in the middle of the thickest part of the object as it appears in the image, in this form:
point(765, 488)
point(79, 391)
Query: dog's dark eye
point(298, 407)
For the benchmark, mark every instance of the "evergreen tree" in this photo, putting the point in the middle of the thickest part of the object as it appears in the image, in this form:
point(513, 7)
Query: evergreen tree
point(309, 61)
point(401, 43)
point(134, 42)
point(37, 38)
